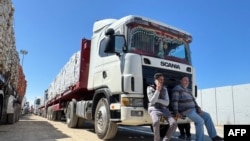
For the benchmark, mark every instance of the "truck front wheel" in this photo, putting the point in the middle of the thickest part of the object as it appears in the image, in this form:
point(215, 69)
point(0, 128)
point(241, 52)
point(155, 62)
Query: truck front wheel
point(104, 128)
point(71, 117)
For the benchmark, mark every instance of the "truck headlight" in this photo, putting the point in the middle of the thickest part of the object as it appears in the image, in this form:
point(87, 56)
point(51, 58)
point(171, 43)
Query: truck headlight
point(131, 101)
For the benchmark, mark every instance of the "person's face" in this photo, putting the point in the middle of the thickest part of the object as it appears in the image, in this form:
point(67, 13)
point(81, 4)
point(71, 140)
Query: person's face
point(165, 46)
point(160, 79)
point(185, 82)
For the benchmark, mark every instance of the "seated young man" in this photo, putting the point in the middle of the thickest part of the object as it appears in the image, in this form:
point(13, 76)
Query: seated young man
point(158, 102)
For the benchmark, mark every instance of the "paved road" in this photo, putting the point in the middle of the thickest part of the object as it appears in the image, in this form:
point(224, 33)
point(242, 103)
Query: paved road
point(35, 128)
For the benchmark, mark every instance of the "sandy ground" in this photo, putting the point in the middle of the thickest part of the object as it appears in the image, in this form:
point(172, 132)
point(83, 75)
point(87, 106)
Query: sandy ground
point(36, 128)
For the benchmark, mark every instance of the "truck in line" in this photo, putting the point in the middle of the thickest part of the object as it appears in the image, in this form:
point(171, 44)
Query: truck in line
point(106, 80)
point(12, 91)
point(12, 78)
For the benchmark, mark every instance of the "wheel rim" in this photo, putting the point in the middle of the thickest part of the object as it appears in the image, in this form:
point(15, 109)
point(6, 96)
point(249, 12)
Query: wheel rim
point(101, 118)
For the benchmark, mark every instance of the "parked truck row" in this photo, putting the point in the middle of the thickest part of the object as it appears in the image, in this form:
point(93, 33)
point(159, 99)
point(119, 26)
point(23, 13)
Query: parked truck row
point(12, 78)
point(106, 80)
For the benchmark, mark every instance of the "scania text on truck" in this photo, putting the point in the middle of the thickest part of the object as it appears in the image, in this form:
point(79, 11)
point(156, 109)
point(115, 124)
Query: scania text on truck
point(106, 80)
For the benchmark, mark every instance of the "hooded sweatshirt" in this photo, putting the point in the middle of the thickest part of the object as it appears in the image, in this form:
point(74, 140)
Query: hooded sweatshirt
point(157, 98)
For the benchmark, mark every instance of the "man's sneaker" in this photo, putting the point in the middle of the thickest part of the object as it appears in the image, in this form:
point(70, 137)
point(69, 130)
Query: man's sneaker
point(182, 137)
point(188, 138)
point(217, 138)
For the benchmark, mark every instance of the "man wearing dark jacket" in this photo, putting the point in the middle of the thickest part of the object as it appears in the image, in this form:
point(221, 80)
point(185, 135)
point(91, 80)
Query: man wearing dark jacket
point(184, 104)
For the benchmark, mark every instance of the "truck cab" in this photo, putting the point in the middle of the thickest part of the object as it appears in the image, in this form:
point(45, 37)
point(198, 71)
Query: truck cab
point(125, 54)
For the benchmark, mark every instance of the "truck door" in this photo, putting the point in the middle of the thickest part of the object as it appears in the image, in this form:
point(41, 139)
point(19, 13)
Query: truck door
point(112, 65)
point(96, 64)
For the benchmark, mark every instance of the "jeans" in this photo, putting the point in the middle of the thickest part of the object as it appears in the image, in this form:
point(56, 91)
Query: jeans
point(199, 121)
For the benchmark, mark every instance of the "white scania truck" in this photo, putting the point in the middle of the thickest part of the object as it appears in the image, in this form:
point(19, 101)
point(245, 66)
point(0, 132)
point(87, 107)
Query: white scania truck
point(106, 80)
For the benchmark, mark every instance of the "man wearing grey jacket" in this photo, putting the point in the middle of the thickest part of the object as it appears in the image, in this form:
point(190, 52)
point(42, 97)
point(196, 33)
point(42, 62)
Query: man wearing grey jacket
point(158, 102)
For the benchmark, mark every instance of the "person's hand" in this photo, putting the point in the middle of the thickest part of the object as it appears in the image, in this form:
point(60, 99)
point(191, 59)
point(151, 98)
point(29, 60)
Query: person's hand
point(199, 111)
point(178, 115)
point(158, 85)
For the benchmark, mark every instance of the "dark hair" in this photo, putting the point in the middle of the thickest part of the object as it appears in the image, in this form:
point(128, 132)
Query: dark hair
point(182, 76)
point(157, 75)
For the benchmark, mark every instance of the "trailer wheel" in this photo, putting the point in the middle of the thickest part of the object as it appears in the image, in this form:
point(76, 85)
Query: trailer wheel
point(17, 117)
point(53, 115)
point(104, 128)
point(17, 112)
point(44, 113)
point(49, 113)
point(71, 117)
point(58, 115)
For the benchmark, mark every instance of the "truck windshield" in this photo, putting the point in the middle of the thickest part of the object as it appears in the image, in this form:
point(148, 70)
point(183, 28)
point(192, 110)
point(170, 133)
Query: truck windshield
point(145, 41)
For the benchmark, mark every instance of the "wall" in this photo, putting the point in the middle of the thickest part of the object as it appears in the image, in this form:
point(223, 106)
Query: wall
point(226, 105)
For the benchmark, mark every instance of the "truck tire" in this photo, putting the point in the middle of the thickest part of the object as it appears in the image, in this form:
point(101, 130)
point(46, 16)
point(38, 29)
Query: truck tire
point(11, 118)
point(17, 117)
point(44, 113)
point(17, 113)
point(104, 128)
point(53, 115)
point(58, 115)
point(71, 117)
point(49, 113)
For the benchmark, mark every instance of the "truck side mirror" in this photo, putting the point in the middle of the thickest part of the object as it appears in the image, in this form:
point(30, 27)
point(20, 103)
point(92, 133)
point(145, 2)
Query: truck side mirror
point(115, 43)
point(110, 31)
point(110, 44)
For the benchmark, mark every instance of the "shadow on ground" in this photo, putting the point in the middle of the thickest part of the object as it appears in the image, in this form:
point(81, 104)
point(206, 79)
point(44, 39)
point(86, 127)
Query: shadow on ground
point(138, 133)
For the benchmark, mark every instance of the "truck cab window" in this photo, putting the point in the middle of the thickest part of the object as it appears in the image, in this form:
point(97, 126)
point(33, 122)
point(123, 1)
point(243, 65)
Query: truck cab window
point(119, 43)
point(178, 51)
point(150, 42)
point(142, 41)
point(101, 49)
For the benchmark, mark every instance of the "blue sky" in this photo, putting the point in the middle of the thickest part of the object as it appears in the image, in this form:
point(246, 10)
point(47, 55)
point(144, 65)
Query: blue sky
point(51, 31)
